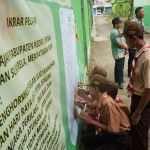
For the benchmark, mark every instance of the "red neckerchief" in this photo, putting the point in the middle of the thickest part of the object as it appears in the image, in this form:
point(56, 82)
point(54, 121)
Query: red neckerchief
point(130, 84)
point(97, 129)
point(119, 101)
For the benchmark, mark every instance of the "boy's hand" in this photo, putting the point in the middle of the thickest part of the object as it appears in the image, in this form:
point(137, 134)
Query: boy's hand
point(135, 118)
point(80, 85)
point(75, 112)
point(76, 90)
point(79, 103)
point(84, 115)
point(126, 51)
point(126, 46)
point(95, 102)
point(80, 92)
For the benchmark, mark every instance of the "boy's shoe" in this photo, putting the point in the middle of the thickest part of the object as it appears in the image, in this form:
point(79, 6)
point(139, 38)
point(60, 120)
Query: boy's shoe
point(120, 85)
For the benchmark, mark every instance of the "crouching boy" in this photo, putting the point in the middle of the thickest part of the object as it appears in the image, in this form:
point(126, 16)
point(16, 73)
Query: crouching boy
point(113, 122)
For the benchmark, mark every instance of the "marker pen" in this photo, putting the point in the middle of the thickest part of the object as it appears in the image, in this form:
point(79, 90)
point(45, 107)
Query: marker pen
point(85, 106)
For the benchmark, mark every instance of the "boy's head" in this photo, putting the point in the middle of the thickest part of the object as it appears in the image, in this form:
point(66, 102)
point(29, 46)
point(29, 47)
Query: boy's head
point(97, 84)
point(112, 90)
point(139, 12)
point(116, 22)
point(96, 70)
point(133, 31)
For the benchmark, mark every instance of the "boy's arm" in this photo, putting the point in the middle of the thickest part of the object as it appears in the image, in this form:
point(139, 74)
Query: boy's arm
point(84, 95)
point(92, 105)
point(76, 115)
point(76, 93)
point(124, 46)
point(145, 95)
point(89, 111)
point(86, 117)
point(84, 99)
point(86, 91)
point(80, 101)
point(119, 42)
point(89, 99)
point(143, 102)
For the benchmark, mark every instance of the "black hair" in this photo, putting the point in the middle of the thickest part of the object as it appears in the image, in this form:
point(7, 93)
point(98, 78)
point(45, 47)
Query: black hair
point(140, 37)
point(116, 23)
point(137, 10)
point(112, 90)
point(102, 89)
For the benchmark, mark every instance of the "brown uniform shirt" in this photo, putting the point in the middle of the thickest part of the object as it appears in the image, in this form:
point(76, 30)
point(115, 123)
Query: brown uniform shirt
point(141, 75)
point(112, 116)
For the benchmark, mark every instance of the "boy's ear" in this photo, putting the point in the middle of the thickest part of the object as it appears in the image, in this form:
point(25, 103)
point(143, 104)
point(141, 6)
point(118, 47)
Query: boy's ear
point(96, 89)
point(134, 37)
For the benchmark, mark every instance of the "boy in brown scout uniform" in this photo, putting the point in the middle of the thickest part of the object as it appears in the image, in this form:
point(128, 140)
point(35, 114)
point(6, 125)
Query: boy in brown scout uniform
point(139, 84)
point(139, 15)
point(113, 121)
point(82, 93)
point(96, 70)
point(81, 98)
point(112, 90)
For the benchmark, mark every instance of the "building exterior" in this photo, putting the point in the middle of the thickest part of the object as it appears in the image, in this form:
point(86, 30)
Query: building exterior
point(102, 7)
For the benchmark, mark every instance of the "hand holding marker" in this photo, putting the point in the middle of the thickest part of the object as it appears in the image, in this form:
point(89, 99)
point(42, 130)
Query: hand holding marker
point(85, 106)
point(79, 101)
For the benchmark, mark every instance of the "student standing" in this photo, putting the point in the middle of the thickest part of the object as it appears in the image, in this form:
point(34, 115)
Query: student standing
point(139, 15)
point(139, 84)
point(119, 49)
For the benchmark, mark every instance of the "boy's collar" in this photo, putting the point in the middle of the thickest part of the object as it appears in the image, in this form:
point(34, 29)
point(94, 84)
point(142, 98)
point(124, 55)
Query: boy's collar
point(144, 48)
point(103, 96)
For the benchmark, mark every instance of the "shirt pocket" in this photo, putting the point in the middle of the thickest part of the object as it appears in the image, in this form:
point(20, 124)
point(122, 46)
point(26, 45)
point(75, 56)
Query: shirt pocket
point(104, 118)
point(137, 75)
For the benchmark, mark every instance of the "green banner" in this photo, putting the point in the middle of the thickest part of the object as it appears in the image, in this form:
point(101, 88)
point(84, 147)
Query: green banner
point(42, 57)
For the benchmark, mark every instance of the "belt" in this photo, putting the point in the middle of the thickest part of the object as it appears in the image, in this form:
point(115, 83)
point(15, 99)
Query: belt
point(132, 48)
point(123, 135)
